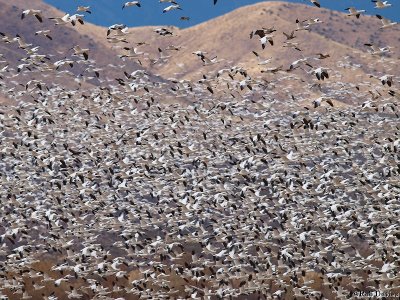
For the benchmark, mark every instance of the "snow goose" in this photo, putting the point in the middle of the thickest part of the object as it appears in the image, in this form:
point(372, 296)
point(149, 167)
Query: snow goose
point(131, 3)
point(33, 12)
point(381, 4)
point(354, 12)
point(385, 22)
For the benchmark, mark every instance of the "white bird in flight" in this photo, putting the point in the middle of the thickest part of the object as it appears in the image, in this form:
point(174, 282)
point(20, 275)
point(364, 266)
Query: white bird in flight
point(381, 4)
point(172, 7)
point(385, 22)
point(84, 9)
point(131, 3)
point(79, 51)
point(377, 50)
point(33, 12)
point(354, 12)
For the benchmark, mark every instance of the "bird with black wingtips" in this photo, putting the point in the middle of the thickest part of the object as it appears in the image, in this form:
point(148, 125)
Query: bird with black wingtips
point(172, 7)
point(45, 33)
point(316, 3)
point(81, 51)
point(381, 4)
point(33, 12)
point(131, 3)
point(375, 50)
point(386, 23)
point(85, 9)
point(321, 73)
point(354, 12)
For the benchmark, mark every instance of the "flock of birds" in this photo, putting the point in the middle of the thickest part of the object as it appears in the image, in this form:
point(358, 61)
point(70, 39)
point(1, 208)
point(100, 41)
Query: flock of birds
point(223, 192)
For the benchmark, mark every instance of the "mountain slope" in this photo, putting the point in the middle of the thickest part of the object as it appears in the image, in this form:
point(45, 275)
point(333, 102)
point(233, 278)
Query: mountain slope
point(227, 37)
point(64, 37)
point(106, 12)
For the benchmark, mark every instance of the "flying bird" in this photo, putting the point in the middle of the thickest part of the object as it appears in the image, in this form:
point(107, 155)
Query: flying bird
point(262, 32)
point(301, 25)
point(323, 56)
point(386, 79)
point(354, 12)
point(262, 62)
point(172, 7)
point(321, 73)
point(313, 21)
point(33, 12)
point(381, 4)
point(79, 51)
point(21, 43)
point(84, 9)
point(375, 50)
point(45, 33)
point(317, 102)
point(76, 18)
point(290, 36)
point(116, 27)
point(131, 3)
point(316, 3)
point(385, 22)
point(62, 20)
point(265, 39)
point(288, 44)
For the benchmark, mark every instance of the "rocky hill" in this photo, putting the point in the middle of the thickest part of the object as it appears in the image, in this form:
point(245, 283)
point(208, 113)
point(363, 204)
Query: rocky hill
point(102, 64)
point(226, 39)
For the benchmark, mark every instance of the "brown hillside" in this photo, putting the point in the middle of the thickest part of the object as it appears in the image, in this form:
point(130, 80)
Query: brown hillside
point(64, 38)
point(227, 37)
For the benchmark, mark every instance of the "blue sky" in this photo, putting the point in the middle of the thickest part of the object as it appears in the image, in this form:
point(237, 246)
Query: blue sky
point(108, 12)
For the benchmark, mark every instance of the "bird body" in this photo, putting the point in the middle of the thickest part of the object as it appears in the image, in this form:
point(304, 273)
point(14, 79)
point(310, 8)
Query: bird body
point(318, 102)
point(62, 20)
point(385, 22)
point(45, 33)
point(262, 62)
point(21, 43)
point(288, 44)
point(297, 63)
point(76, 18)
point(262, 32)
point(321, 73)
point(289, 36)
point(116, 27)
point(266, 39)
point(386, 79)
point(313, 21)
point(301, 25)
point(84, 9)
point(172, 7)
point(132, 52)
point(131, 3)
point(381, 4)
point(79, 51)
point(316, 3)
point(33, 12)
point(354, 12)
point(377, 50)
